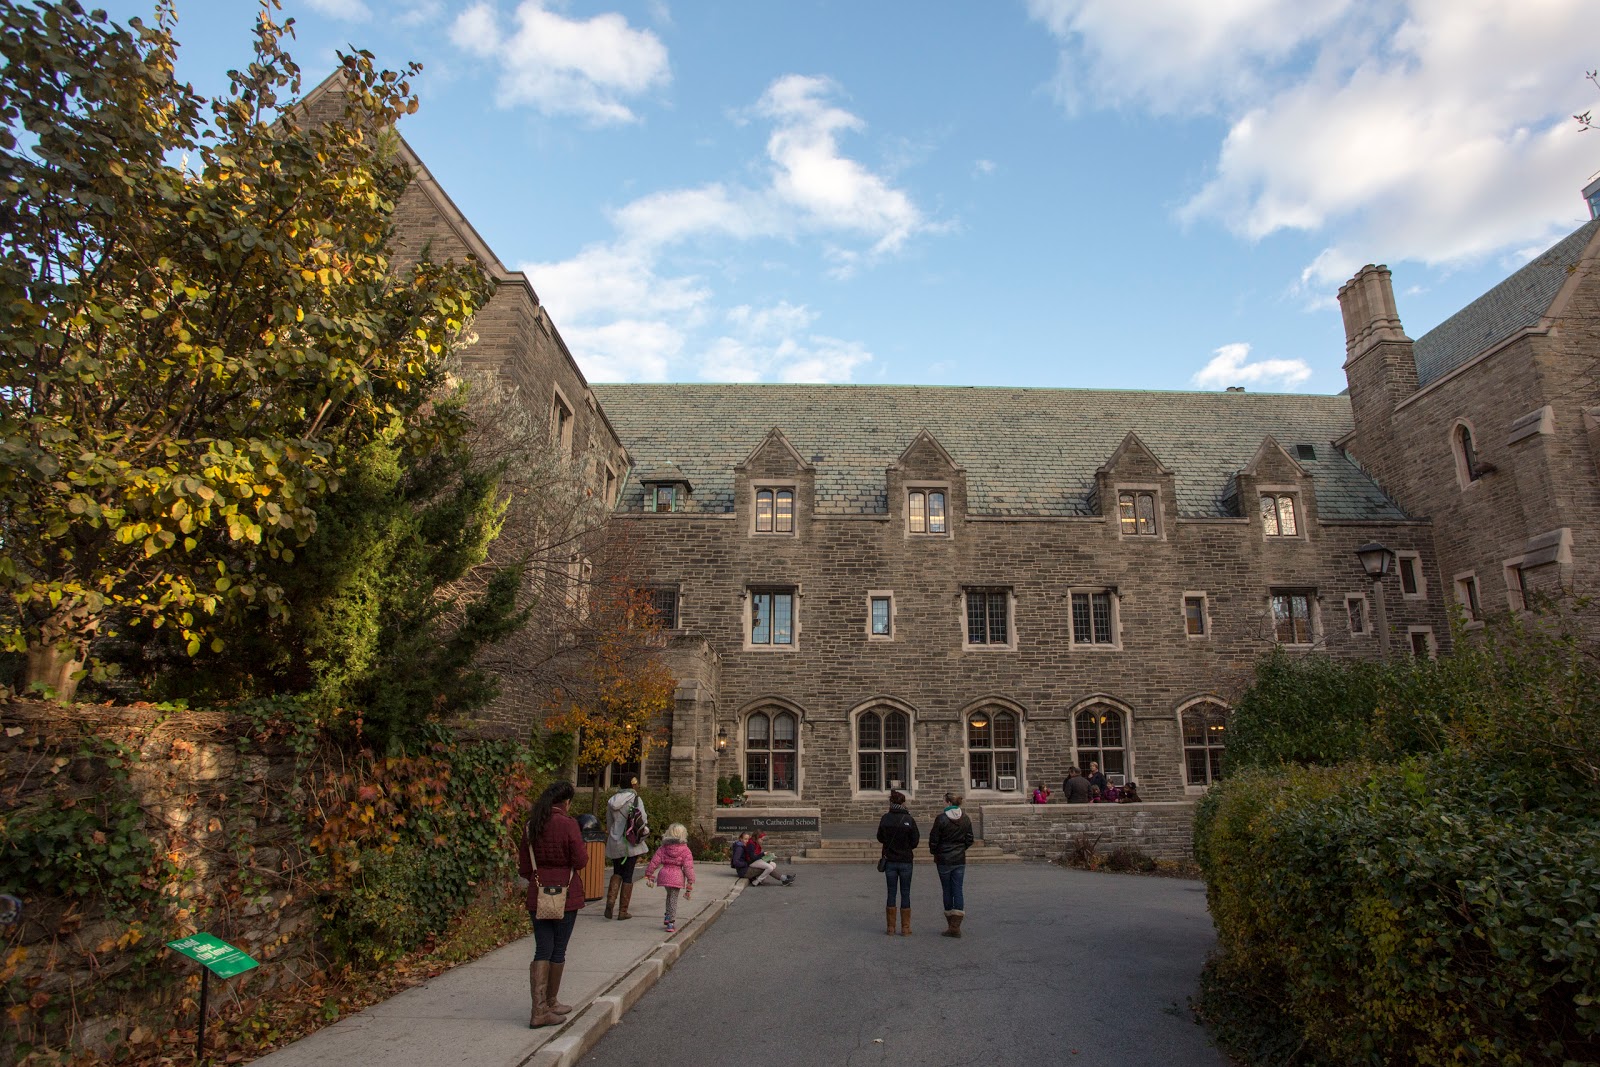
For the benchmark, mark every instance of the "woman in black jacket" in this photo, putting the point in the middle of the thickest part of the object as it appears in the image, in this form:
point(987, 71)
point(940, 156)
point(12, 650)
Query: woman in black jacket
point(949, 840)
point(898, 833)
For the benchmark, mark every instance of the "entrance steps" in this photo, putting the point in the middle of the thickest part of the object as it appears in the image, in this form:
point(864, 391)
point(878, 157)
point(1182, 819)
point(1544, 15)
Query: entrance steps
point(836, 850)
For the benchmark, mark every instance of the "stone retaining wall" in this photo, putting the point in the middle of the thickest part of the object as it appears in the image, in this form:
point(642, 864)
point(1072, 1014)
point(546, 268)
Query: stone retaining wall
point(789, 830)
point(218, 813)
point(1044, 831)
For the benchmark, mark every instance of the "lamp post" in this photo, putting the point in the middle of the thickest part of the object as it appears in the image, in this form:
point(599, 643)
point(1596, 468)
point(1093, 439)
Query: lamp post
point(1377, 560)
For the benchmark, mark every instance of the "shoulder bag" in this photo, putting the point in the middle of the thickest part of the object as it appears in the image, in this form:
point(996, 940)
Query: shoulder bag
point(551, 900)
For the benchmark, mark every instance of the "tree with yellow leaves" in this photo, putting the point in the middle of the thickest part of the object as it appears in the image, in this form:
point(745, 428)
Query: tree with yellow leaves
point(618, 689)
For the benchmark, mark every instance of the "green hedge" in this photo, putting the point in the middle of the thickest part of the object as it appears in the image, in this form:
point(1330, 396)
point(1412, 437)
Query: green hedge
point(1429, 912)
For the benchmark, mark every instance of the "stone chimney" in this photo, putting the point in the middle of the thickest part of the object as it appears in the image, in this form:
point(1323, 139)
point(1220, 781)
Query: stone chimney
point(1381, 371)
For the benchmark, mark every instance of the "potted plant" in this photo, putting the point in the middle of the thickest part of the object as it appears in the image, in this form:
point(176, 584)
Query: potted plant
point(730, 791)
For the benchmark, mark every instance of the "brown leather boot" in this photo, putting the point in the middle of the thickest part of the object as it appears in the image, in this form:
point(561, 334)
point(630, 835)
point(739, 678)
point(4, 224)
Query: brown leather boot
point(627, 897)
point(955, 923)
point(552, 991)
point(905, 922)
point(949, 925)
point(888, 917)
point(611, 893)
point(538, 982)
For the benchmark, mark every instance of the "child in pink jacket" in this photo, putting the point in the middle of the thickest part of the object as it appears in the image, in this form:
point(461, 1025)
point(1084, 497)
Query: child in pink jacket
point(673, 867)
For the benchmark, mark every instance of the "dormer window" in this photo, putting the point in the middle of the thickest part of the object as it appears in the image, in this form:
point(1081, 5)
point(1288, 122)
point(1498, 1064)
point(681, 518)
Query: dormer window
point(775, 510)
point(925, 511)
point(661, 498)
point(1137, 508)
point(1277, 515)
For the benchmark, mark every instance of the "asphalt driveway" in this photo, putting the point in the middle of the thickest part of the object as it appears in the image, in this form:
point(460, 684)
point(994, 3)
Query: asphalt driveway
point(1055, 967)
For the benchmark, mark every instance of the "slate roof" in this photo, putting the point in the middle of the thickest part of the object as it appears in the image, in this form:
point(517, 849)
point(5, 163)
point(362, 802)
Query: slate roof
point(1026, 452)
point(1515, 304)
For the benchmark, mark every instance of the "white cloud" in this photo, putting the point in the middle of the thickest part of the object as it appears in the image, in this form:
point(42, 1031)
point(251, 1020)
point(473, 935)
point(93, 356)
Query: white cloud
point(349, 10)
point(831, 190)
point(626, 350)
point(773, 344)
point(628, 311)
point(1230, 365)
point(563, 66)
point(983, 167)
point(1432, 130)
point(606, 280)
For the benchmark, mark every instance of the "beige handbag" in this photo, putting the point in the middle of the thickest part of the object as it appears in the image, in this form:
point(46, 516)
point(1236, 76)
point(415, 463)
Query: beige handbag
point(551, 900)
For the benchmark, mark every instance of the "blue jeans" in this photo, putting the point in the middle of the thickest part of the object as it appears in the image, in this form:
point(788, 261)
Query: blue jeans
point(550, 937)
point(950, 879)
point(898, 874)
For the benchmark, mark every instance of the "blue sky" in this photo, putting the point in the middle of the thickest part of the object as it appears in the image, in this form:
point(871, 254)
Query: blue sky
point(1161, 195)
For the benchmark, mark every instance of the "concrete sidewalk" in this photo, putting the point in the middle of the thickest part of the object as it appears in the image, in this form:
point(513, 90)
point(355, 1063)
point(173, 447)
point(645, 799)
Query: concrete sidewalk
point(478, 1013)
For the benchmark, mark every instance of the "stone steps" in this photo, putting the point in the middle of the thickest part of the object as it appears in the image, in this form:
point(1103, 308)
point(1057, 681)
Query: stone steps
point(836, 851)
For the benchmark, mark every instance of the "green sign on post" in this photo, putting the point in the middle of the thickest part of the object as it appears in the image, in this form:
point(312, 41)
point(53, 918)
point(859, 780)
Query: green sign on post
point(219, 957)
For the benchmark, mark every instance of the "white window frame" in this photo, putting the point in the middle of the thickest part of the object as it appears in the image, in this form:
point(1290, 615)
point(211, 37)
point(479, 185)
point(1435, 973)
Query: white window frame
point(926, 488)
point(1021, 749)
point(883, 711)
point(755, 509)
point(1010, 644)
point(1366, 616)
point(1205, 614)
point(1154, 491)
point(748, 624)
point(1412, 632)
point(1417, 572)
point(1293, 493)
point(1114, 600)
point(1468, 589)
point(874, 595)
point(1313, 621)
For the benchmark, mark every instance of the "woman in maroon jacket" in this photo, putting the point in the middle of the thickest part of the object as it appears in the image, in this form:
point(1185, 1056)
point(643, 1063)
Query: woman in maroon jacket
point(558, 849)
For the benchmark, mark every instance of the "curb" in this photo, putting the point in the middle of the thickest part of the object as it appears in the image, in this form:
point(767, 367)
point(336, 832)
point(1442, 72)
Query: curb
point(584, 1030)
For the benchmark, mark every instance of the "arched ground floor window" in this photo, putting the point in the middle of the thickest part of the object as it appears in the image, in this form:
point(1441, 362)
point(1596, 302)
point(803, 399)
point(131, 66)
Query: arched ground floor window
point(883, 749)
point(1101, 735)
point(771, 751)
point(1205, 726)
point(994, 749)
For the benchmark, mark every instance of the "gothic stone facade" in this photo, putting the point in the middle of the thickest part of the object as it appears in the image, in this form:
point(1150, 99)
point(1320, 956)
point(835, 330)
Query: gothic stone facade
point(857, 575)
point(1097, 636)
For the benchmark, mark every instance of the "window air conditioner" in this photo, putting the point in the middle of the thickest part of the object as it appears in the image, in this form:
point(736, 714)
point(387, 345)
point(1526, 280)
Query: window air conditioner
point(1009, 782)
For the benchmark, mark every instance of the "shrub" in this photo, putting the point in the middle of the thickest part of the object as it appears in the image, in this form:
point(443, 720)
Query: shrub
point(1402, 913)
point(663, 807)
point(1129, 859)
point(1081, 852)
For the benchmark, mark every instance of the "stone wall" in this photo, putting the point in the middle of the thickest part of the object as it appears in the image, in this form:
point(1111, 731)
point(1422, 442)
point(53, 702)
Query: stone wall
point(833, 672)
point(217, 811)
point(1045, 831)
point(1529, 405)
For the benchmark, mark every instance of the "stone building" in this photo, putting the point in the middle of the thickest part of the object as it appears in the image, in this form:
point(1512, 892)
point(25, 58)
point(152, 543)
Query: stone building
point(946, 587)
point(980, 587)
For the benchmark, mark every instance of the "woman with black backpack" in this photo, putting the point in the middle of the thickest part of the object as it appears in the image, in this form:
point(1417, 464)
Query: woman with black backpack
point(627, 827)
point(899, 836)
